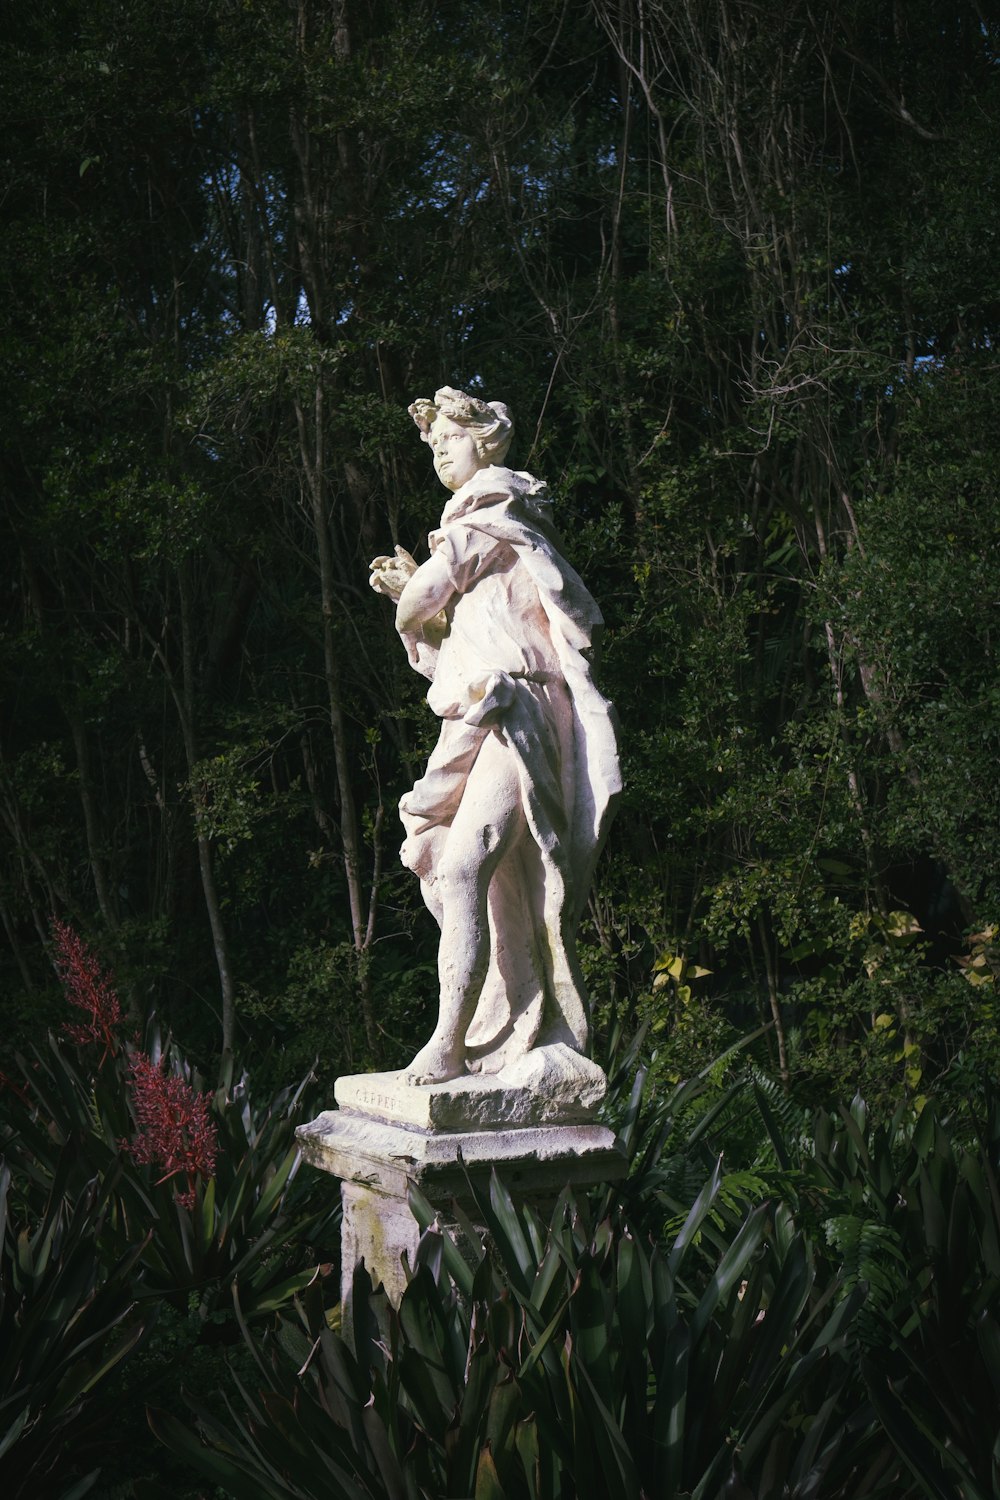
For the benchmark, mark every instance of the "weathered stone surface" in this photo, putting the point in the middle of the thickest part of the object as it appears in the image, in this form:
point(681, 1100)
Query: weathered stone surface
point(549, 1085)
point(378, 1160)
point(378, 1229)
point(503, 831)
point(385, 1157)
point(512, 810)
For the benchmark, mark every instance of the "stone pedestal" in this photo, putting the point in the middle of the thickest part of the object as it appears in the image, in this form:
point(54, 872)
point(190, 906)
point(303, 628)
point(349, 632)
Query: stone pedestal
point(387, 1134)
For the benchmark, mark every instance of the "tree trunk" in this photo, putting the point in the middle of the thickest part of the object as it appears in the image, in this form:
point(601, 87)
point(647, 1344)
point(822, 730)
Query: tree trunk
point(186, 710)
point(362, 922)
point(91, 823)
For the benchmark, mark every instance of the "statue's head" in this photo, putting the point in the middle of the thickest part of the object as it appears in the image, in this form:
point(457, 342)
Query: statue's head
point(465, 434)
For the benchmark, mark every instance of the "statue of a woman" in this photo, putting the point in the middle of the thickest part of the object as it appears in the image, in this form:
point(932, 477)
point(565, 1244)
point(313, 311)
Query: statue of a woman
point(505, 826)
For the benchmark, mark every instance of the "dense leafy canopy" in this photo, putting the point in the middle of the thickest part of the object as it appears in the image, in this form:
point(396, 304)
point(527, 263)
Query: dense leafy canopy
point(735, 266)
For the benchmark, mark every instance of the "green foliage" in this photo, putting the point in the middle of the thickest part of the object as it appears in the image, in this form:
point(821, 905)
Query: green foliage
point(736, 269)
point(782, 1334)
point(68, 1317)
point(743, 299)
point(777, 1326)
point(577, 1361)
point(911, 1210)
point(255, 1221)
point(102, 1247)
point(935, 1380)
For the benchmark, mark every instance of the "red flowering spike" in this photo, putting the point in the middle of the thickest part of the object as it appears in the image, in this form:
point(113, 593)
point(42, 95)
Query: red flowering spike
point(88, 989)
point(173, 1127)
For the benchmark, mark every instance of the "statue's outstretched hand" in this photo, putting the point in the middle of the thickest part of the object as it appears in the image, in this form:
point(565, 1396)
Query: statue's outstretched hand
point(390, 575)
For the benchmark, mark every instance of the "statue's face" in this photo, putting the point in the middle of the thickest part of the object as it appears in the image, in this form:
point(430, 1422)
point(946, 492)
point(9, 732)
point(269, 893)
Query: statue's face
point(456, 457)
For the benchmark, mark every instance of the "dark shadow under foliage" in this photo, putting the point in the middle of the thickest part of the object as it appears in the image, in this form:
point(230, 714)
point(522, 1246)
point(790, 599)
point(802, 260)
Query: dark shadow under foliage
point(836, 1340)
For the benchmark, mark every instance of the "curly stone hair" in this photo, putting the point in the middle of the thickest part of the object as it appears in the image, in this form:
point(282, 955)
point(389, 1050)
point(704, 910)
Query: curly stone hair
point(491, 422)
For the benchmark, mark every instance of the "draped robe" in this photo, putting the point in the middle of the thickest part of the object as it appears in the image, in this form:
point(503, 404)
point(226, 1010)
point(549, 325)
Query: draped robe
point(515, 663)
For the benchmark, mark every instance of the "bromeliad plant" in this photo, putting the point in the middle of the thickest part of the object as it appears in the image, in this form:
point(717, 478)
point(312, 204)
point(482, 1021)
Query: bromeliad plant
point(89, 990)
point(67, 1320)
point(934, 1370)
point(911, 1211)
point(212, 1174)
point(572, 1360)
point(129, 1190)
point(171, 1125)
point(174, 1130)
point(841, 1343)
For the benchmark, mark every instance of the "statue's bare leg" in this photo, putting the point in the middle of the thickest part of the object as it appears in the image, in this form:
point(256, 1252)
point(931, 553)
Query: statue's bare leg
point(488, 823)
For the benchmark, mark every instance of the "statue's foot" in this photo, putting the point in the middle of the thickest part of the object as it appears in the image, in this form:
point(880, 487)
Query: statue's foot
point(440, 1060)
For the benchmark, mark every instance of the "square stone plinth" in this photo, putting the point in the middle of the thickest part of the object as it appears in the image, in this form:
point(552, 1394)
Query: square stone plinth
point(533, 1161)
point(377, 1159)
point(550, 1085)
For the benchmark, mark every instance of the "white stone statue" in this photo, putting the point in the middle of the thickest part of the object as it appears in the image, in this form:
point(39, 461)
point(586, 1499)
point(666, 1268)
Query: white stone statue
point(505, 826)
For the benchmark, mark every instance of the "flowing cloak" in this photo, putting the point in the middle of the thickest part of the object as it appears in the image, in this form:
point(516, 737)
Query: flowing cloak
point(515, 663)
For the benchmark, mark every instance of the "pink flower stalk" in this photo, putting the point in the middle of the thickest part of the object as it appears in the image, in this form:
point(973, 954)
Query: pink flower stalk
point(88, 989)
point(174, 1130)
